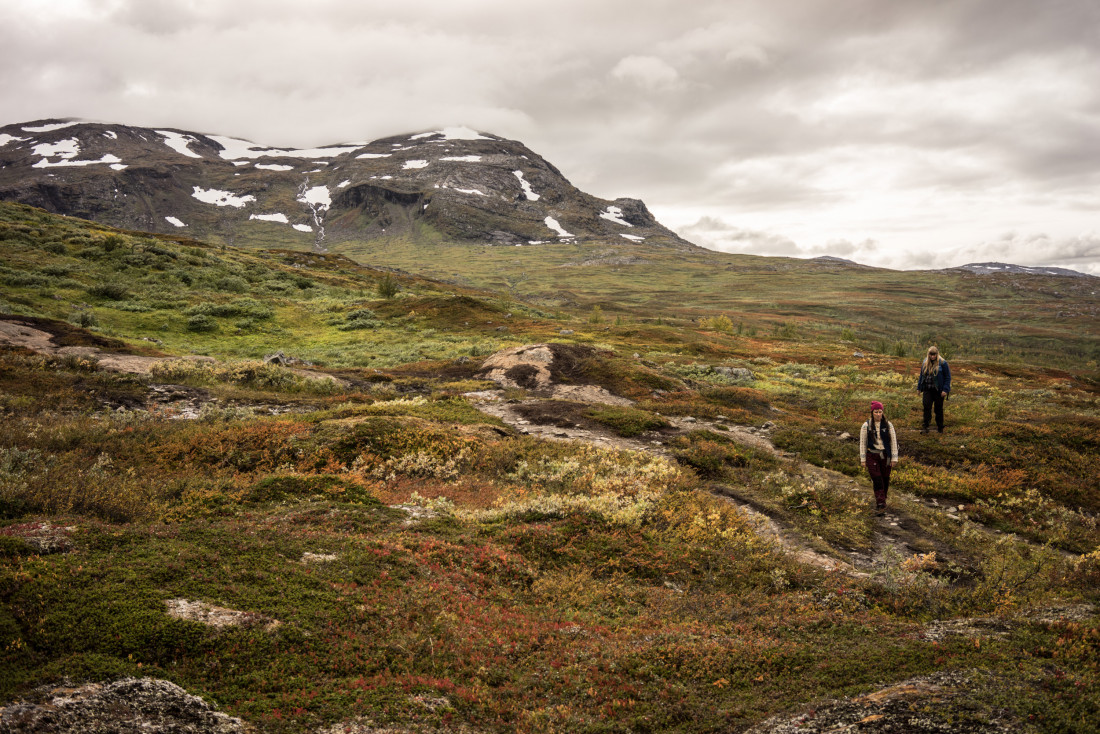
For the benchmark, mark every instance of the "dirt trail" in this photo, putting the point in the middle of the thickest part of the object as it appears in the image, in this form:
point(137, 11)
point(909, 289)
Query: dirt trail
point(897, 533)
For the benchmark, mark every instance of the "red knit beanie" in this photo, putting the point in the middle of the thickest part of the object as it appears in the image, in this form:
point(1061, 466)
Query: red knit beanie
point(876, 405)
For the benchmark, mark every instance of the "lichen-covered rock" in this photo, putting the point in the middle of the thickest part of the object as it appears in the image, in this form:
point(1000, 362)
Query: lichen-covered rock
point(944, 703)
point(125, 706)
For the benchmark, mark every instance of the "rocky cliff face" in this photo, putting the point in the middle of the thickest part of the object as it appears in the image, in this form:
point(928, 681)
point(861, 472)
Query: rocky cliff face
point(455, 182)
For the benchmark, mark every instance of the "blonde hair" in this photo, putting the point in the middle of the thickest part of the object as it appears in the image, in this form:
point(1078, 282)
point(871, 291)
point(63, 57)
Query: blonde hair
point(924, 365)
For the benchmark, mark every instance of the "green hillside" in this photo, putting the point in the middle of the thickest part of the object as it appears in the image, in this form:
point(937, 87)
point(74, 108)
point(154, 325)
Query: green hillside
point(405, 560)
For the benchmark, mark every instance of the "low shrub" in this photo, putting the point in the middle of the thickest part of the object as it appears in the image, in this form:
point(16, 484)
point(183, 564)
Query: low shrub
point(627, 422)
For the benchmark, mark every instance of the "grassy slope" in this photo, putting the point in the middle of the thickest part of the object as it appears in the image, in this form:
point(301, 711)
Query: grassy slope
point(999, 316)
point(561, 588)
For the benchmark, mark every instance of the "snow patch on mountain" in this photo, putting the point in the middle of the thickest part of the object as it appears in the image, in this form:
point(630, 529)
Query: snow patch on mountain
point(67, 148)
point(318, 197)
point(632, 237)
point(553, 224)
point(452, 133)
point(221, 198)
point(615, 214)
point(527, 190)
point(50, 127)
point(278, 217)
point(107, 158)
point(374, 155)
point(462, 158)
point(414, 164)
point(234, 148)
point(274, 167)
point(178, 142)
point(5, 139)
point(174, 222)
point(303, 227)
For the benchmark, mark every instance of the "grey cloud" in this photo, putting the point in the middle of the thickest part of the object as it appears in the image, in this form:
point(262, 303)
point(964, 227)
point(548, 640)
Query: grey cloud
point(750, 106)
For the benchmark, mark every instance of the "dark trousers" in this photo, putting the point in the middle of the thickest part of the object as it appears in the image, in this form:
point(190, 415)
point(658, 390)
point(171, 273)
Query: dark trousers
point(879, 469)
point(933, 399)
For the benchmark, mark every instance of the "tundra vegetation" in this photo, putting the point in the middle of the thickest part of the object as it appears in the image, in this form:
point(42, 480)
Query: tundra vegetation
point(478, 577)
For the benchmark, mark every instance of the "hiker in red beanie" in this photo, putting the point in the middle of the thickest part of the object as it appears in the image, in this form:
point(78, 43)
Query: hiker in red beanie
point(878, 451)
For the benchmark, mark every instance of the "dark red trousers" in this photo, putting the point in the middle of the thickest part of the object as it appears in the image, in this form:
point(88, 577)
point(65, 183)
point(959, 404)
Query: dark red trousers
point(879, 469)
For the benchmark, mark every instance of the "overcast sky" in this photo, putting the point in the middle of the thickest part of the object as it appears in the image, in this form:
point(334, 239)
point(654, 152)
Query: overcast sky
point(897, 133)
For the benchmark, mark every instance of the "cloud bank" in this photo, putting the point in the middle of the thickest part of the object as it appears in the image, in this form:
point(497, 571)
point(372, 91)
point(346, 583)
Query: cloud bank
point(906, 131)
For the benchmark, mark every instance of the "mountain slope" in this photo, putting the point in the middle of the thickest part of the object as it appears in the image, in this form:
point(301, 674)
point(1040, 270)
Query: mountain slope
point(455, 183)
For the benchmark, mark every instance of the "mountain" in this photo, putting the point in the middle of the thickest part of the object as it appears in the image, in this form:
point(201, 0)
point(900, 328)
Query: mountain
point(453, 183)
point(991, 268)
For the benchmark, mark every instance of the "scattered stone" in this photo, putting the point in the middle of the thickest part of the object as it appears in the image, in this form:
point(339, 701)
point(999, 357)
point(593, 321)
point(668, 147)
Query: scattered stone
point(127, 705)
point(565, 332)
point(940, 629)
point(431, 702)
point(942, 703)
point(308, 557)
point(416, 513)
point(858, 354)
point(43, 537)
point(845, 436)
point(218, 617)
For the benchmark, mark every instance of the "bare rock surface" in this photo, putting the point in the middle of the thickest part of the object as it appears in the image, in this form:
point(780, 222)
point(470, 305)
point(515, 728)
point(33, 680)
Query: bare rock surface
point(126, 706)
point(532, 367)
point(43, 537)
point(215, 616)
point(943, 703)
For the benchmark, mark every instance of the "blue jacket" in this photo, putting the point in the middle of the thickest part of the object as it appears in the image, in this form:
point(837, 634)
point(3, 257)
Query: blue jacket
point(943, 378)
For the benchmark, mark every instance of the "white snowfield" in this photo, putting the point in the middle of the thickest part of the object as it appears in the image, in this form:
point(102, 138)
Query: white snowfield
point(67, 148)
point(274, 167)
point(615, 214)
point(5, 139)
point(374, 155)
point(453, 133)
point(527, 190)
point(303, 227)
point(50, 127)
point(175, 222)
point(553, 224)
point(414, 164)
point(278, 217)
point(178, 142)
point(318, 197)
point(462, 158)
point(633, 237)
point(107, 158)
point(221, 198)
point(234, 148)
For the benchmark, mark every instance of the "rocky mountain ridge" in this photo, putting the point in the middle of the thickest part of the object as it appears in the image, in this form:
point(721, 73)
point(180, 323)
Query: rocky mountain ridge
point(457, 183)
point(991, 268)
